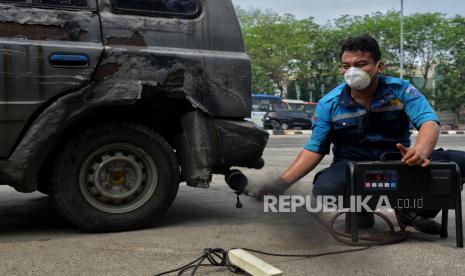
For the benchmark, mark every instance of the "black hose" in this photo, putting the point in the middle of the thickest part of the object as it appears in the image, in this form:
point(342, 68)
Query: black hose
point(218, 257)
point(386, 238)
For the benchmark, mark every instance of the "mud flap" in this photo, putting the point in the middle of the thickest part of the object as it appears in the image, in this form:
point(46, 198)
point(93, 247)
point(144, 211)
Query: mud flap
point(194, 149)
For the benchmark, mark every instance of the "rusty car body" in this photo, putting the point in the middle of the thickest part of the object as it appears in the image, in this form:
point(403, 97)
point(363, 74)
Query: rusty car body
point(74, 66)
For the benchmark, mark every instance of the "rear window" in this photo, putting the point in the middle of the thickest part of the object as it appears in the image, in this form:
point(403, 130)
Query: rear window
point(183, 8)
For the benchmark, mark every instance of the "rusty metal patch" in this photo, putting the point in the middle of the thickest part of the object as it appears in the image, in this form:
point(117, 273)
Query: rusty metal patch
point(106, 70)
point(38, 32)
point(135, 40)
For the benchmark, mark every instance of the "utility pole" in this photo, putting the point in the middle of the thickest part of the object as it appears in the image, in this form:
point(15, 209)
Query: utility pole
point(401, 39)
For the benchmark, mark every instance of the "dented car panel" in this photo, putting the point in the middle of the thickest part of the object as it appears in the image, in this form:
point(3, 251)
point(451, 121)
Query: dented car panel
point(209, 84)
point(208, 48)
point(28, 39)
point(132, 59)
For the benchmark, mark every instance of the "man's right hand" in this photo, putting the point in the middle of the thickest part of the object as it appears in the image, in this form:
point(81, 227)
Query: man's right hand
point(276, 188)
point(413, 156)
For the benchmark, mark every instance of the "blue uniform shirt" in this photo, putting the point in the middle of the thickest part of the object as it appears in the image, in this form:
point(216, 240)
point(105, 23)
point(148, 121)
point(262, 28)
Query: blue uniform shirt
point(360, 134)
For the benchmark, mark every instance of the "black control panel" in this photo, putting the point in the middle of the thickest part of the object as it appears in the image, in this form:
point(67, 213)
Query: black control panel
point(409, 187)
point(436, 186)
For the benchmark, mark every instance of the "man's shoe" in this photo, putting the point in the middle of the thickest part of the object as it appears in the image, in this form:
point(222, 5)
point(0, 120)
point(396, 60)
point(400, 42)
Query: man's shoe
point(424, 225)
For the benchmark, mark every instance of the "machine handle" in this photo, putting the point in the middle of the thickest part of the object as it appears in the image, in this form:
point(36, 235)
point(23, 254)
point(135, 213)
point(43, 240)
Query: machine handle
point(391, 156)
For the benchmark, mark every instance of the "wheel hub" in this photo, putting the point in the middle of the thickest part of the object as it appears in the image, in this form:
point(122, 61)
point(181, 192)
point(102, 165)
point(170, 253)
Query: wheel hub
point(118, 178)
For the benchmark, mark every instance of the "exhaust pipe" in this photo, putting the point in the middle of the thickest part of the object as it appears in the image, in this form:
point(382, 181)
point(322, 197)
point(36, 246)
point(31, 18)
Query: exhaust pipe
point(236, 180)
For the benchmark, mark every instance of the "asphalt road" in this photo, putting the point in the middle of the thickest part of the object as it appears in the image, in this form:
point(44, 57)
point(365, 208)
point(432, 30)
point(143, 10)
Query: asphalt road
point(34, 240)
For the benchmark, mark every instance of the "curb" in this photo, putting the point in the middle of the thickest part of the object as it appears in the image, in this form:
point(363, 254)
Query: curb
point(289, 132)
point(453, 132)
point(309, 132)
point(446, 132)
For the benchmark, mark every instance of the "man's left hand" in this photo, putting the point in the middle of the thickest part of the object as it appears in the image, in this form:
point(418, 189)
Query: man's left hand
point(275, 188)
point(413, 156)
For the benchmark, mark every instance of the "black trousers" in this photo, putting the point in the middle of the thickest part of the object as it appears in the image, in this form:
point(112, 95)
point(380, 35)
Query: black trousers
point(332, 180)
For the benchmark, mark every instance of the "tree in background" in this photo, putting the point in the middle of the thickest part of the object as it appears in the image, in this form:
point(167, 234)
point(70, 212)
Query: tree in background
point(425, 35)
point(268, 37)
point(283, 48)
point(451, 76)
point(304, 90)
point(291, 90)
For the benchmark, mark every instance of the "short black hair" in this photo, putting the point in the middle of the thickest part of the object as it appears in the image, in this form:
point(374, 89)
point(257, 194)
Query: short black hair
point(365, 43)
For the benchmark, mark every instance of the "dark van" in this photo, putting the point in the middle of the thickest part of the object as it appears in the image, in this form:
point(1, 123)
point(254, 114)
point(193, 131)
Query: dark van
point(107, 105)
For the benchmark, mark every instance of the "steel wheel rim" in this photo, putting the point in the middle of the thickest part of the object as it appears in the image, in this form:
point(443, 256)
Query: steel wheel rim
point(118, 178)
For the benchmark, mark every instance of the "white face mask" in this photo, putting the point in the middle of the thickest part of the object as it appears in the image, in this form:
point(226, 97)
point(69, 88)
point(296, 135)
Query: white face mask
point(357, 79)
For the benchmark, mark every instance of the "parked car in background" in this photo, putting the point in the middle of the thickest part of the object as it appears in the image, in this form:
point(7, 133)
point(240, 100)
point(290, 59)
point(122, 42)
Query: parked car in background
point(263, 103)
point(287, 119)
point(310, 108)
point(294, 104)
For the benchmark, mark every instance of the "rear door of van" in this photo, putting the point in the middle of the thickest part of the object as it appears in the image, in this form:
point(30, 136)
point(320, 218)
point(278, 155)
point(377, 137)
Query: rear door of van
point(47, 48)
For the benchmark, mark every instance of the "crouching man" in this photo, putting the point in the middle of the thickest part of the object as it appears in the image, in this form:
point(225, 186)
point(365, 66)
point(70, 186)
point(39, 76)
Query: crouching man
point(367, 115)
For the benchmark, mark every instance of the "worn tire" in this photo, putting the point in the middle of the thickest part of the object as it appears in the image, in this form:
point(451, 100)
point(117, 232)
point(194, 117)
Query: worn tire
point(136, 149)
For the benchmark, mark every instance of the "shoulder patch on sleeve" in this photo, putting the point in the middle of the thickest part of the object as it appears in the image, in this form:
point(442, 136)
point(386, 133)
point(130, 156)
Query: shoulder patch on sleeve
point(413, 92)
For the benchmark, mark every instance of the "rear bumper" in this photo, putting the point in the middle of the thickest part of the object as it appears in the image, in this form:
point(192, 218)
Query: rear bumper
point(211, 145)
point(240, 143)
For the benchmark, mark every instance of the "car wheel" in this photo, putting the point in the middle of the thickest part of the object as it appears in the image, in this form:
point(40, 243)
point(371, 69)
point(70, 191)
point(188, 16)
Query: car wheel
point(115, 177)
point(284, 125)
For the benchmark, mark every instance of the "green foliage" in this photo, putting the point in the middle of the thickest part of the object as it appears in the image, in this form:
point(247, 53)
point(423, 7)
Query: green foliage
point(425, 34)
point(292, 90)
point(451, 84)
point(282, 48)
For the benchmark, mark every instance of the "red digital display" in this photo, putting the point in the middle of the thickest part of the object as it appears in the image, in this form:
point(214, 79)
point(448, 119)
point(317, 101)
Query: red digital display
point(376, 177)
point(381, 179)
